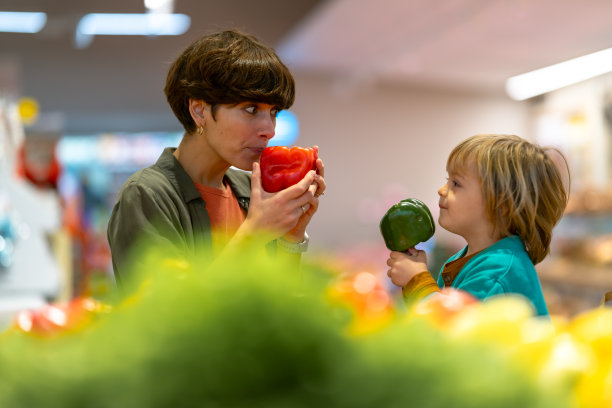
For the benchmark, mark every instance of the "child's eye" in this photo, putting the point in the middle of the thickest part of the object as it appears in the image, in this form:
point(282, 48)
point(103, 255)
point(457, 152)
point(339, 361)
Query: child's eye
point(251, 109)
point(274, 112)
point(452, 182)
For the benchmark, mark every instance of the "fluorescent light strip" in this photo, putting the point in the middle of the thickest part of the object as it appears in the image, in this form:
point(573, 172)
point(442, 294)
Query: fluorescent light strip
point(163, 6)
point(22, 22)
point(557, 76)
point(133, 24)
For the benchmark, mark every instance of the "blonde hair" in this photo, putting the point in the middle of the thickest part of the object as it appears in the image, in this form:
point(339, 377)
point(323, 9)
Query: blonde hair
point(522, 186)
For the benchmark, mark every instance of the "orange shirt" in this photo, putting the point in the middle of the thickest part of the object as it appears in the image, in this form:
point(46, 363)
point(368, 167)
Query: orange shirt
point(452, 269)
point(224, 212)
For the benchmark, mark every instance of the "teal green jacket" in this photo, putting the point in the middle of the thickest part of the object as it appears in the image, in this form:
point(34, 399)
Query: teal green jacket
point(161, 206)
point(502, 268)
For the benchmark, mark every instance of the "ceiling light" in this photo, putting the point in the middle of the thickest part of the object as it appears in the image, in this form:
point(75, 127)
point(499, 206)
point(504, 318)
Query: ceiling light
point(22, 22)
point(134, 24)
point(557, 76)
point(148, 24)
point(165, 6)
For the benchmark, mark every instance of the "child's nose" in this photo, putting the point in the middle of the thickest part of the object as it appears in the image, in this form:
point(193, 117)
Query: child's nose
point(442, 190)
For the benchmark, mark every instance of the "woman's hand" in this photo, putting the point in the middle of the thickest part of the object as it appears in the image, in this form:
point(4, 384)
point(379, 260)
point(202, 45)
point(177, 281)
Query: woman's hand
point(297, 233)
point(320, 179)
point(278, 213)
point(405, 265)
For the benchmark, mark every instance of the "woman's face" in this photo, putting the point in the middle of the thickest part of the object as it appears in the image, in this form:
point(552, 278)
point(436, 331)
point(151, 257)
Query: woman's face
point(239, 133)
point(462, 204)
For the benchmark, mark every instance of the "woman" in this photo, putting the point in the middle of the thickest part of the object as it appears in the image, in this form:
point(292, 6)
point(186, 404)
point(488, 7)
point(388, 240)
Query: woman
point(226, 90)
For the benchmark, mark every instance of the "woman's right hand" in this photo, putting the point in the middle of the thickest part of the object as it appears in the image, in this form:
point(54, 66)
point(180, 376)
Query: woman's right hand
point(277, 213)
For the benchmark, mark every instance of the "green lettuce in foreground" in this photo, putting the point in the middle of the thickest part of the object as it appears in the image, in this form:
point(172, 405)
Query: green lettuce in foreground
point(252, 331)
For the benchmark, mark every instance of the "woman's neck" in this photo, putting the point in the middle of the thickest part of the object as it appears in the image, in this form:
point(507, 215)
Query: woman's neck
point(200, 162)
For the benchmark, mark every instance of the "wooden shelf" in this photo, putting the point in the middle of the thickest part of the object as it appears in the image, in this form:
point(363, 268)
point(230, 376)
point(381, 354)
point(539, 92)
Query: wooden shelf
point(571, 287)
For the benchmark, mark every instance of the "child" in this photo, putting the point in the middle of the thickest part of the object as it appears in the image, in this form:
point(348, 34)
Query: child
point(504, 195)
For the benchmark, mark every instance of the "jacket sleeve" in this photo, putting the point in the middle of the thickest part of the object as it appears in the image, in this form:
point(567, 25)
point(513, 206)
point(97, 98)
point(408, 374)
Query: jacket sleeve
point(419, 287)
point(139, 220)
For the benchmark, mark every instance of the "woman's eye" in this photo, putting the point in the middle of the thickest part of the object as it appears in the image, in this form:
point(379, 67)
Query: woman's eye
point(251, 109)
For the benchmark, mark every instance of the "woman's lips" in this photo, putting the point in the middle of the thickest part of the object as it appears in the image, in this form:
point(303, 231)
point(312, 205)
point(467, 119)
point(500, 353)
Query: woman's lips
point(257, 150)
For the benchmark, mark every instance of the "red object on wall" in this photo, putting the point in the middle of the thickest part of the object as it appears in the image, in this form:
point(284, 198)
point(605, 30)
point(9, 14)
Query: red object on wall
point(38, 164)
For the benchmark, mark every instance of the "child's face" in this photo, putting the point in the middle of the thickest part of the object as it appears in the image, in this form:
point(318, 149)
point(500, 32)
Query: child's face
point(462, 204)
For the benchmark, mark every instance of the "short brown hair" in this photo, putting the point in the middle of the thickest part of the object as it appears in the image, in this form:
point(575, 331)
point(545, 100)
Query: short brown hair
point(522, 186)
point(227, 67)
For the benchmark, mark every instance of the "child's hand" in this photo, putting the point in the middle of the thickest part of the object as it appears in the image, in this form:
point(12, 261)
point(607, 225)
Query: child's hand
point(405, 265)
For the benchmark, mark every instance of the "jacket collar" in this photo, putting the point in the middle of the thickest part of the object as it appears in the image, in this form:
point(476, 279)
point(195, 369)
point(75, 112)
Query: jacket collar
point(174, 171)
point(512, 242)
point(241, 186)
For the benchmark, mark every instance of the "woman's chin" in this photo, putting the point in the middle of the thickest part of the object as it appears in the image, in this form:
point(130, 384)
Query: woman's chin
point(246, 166)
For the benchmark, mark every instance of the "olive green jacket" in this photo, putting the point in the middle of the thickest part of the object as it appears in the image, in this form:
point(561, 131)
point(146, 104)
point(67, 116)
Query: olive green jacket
point(160, 205)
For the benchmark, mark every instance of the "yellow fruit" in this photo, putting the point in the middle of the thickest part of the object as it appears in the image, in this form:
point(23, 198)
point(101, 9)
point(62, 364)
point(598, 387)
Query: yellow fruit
point(595, 389)
point(536, 337)
point(499, 319)
point(594, 328)
point(567, 354)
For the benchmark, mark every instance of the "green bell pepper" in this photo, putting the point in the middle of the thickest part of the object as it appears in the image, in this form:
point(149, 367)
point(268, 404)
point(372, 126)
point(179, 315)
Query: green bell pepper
point(406, 224)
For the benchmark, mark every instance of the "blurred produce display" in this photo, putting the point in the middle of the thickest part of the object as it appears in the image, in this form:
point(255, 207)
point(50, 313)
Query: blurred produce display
point(579, 271)
point(248, 331)
point(590, 201)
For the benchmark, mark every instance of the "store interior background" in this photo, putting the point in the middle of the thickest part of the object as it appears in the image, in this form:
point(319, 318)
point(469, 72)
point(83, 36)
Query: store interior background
point(385, 88)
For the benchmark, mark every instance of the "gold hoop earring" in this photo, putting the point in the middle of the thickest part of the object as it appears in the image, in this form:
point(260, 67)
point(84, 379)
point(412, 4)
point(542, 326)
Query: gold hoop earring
point(200, 130)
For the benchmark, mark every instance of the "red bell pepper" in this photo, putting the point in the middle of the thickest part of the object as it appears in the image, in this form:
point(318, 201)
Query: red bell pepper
point(282, 167)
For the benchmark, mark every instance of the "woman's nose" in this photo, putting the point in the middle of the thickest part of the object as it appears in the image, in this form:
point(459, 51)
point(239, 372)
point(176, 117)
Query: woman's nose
point(268, 128)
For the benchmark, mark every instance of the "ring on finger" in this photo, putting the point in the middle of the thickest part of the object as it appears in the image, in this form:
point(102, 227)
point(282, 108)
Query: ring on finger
point(319, 195)
point(303, 209)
